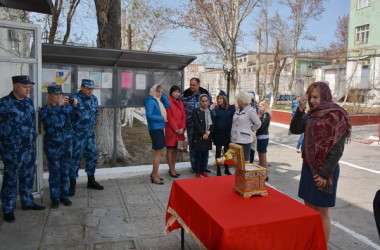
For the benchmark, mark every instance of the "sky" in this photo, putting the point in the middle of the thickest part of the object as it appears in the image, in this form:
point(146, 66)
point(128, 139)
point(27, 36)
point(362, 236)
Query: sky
point(180, 42)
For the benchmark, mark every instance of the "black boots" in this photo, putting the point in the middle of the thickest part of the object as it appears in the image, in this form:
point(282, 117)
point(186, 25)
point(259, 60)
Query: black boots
point(73, 183)
point(9, 217)
point(218, 172)
point(226, 171)
point(92, 183)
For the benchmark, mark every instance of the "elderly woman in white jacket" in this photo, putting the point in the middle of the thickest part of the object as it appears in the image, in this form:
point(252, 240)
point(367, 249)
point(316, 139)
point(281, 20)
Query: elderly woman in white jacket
point(244, 123)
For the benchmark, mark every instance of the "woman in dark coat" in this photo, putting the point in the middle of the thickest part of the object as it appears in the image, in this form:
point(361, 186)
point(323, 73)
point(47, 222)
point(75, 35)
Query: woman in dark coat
point(175, 128)
point(201, 141)
point(222, 114)
point(327, 126)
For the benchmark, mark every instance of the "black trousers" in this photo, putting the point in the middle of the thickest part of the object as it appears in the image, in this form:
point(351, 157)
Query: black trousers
point(376, 210)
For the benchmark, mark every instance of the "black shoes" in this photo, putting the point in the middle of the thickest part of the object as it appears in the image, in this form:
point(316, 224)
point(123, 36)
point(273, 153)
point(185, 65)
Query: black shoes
point(227, 171)
point(156, 182)
point(174, 176)
point(93, 184)
point(55, 204)
point(207, 171)
point(34, 206)
point(73, 183)
point(9, 217)
point(66, 202)
point(218, 172)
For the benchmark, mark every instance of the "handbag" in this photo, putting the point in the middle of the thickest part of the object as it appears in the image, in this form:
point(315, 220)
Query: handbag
point(182, 146)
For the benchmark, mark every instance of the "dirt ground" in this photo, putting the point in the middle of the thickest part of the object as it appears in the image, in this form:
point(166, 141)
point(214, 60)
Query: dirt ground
point(138, 144)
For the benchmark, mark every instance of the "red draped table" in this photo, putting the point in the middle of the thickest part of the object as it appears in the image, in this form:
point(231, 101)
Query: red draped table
point(219, 218)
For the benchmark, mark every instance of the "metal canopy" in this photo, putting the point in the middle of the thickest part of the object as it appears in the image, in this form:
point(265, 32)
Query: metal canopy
point(63, 54)
point(41, 6)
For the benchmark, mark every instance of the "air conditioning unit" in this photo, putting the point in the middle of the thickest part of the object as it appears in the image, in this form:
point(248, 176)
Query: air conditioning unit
point(365, 63)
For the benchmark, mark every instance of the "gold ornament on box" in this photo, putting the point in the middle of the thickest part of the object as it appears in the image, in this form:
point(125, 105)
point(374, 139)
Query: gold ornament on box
point(249, 178)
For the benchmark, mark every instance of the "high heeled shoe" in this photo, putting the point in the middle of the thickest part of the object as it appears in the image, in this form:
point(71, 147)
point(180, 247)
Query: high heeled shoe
point(160, 182)
point(151, 176)
point(174, 176)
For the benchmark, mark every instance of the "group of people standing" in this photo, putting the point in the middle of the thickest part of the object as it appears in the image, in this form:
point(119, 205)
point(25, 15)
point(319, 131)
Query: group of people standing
point(205, 123)
point(69, 132)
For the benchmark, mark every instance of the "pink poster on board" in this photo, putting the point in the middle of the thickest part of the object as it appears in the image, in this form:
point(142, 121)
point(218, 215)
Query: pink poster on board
point(126, 80)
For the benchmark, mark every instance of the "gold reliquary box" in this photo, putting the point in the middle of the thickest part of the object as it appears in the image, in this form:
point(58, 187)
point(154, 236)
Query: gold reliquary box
point(249, 178)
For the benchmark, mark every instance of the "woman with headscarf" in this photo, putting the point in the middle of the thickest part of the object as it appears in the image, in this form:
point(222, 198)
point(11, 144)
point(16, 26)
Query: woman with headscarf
point(175, 128)
point(155, 109)
point(221, 114)
point(201, 140)
point(327, 127)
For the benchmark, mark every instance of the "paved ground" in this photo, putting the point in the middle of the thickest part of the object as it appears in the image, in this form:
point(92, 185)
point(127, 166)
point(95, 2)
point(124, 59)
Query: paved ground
point(130, 212)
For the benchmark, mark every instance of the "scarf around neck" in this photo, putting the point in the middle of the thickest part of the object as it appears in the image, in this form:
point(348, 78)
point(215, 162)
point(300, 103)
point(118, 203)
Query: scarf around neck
point(153, 93)
point(328, 123)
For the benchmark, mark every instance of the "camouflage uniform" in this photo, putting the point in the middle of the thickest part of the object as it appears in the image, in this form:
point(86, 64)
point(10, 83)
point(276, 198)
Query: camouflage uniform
point(17, 149)
point(58, 148)
point(84, 122)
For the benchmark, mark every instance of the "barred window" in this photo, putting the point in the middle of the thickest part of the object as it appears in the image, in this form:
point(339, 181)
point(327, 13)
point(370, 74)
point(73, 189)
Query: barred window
point(362, 34)
point(363, 3)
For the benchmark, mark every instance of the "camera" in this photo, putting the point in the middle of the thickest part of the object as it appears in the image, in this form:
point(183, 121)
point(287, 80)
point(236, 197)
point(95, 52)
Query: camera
point(71, 100)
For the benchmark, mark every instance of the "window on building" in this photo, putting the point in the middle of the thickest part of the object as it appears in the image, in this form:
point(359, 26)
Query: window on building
point(254, 69)
point(249, 70)
point(270, 66)
point(361, 34)
point(245, 59)
point(244, 70)
point(363, 3)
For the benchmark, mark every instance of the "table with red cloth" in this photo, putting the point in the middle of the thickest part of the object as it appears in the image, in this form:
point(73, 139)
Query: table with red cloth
point(219, 218)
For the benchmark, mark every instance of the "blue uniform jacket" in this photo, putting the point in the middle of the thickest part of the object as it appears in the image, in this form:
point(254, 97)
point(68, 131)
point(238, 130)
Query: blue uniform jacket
point(153, 112)
point(85, 113)
point(57, 122)
point(17, 121)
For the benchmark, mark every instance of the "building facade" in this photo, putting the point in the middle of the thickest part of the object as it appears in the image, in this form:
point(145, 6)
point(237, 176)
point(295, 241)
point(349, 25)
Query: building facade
point(363, 56)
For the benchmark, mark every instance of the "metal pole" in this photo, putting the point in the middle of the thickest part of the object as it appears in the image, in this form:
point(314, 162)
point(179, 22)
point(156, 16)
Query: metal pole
point(182, 238)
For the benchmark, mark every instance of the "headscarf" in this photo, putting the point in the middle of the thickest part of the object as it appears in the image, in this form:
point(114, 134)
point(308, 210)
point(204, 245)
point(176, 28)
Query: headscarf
point(153, 92)
point(322, 134)
point(208, 119)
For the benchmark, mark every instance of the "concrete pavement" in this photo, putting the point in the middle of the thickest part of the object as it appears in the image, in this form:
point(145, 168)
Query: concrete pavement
point(130, 212)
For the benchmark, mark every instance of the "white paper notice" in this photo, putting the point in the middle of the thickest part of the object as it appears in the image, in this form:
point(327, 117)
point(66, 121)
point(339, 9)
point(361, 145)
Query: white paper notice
point(140, 81)
point(107, 80)
point(82, 75)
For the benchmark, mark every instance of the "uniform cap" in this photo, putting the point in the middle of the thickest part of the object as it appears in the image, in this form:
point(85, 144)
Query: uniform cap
point(88, 83)
point(54, 89)
point(22, 79)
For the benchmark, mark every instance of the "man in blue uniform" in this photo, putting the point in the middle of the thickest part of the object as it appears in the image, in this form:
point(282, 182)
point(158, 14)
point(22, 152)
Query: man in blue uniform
point(84, 122)
point(17, 147)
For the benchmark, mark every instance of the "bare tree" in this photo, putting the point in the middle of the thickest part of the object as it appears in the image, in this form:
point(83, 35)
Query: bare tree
point(108, 13)
point(69, 17)
point(216, 25)
point(302, 11)
point(144, 23)
point(341, 42)
point(279, 33)
point(56, 13)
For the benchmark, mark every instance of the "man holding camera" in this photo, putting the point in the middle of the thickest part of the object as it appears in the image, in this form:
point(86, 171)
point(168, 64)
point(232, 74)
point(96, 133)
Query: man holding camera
point(84, 122)
point(17, 147)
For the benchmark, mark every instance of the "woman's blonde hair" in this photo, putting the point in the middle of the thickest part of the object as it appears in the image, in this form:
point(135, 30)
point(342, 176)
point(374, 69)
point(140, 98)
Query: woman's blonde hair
point(244, 97)
point(48, 100)
point(265, 104)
